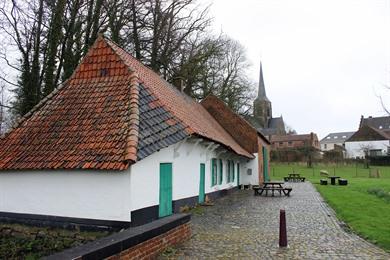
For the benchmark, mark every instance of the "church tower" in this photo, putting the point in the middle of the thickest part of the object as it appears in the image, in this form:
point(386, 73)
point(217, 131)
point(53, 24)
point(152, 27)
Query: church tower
point(262, 107)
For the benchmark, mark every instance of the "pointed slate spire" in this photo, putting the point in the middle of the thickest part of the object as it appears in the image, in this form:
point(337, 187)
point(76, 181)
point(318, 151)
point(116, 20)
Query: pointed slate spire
point(261, 92)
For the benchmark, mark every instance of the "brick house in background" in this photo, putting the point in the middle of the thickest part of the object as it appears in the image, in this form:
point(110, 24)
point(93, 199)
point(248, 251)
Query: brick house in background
point(117, 145)
point(280, 142)
point(295, 148)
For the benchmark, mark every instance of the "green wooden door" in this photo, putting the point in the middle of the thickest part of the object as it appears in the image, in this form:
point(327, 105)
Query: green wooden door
point(202, 183)
point(265, 164)
point(165, 206)
point(238, 174)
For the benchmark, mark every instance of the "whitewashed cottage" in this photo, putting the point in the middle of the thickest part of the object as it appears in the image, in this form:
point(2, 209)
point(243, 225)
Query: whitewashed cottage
point(368, 141)
point(116, 145)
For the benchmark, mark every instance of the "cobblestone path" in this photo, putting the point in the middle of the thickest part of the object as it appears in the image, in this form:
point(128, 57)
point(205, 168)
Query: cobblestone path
point(242, 226)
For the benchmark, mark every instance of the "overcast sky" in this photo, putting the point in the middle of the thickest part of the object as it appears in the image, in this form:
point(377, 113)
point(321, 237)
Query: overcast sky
point(324, 62)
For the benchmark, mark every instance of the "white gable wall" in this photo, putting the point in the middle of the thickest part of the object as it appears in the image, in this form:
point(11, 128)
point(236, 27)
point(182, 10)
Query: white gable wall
point(77, 194)
point(253, 178)
point(355, 149)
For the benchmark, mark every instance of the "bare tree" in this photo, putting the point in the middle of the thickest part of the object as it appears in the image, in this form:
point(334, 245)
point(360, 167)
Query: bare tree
point(171, 37)
point(2, 107)
point(290, 130)
point(384, 106)
point(365, 148)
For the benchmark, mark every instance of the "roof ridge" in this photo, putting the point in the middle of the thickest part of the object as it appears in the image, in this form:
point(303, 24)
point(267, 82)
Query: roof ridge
point(109, 42)
point(133, 124)
point(188, 124)
point(238, 116)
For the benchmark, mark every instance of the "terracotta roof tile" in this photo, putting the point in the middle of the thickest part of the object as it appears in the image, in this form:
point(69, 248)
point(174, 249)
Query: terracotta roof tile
point(112, 112)
point(242, 132)
point(194, 116)
point(88, 118)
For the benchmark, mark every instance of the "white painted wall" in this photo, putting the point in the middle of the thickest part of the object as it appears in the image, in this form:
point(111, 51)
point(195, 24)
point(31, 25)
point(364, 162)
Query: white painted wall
point(250, 179)
point(186, 158)
point(354, 149)
point(113, 195)
point(329, 146)
point(78, 194)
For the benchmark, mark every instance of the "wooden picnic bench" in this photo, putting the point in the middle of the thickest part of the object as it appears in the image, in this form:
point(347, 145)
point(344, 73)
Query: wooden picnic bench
point(272, 187)
point(295, 177)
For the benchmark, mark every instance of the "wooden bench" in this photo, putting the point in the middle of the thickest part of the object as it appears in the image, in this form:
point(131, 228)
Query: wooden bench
point(288, 190)
point(294, 179)
point(258, 191)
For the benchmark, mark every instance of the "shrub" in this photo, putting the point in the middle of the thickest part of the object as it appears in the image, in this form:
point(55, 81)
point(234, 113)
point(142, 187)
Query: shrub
point(380, 193)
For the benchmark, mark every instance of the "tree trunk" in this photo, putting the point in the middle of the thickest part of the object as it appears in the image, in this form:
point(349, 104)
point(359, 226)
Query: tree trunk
point(53, 42)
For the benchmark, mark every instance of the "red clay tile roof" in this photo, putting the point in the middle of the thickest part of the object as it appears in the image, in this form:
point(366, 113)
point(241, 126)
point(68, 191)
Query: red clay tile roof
point(242, 132)
point(193, 115)
point(93, 120)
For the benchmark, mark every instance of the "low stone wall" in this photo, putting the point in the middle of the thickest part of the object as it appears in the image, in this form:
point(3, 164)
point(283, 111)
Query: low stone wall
point(153, 247)
point(143, 242)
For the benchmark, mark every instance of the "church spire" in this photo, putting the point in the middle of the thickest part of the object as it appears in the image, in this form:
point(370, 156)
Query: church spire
point(261, 92)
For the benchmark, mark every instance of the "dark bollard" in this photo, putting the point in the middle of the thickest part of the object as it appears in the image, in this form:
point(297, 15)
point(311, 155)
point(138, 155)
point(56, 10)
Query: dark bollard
point(282, 229)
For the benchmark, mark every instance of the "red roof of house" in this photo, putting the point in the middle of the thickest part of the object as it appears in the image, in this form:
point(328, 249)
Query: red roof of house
point(112, 112)
point(238, 128)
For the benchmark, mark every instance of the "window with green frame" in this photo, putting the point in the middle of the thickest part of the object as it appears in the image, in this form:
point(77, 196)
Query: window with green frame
point(213, 172)
point(220, 171)
point(233, 172)
point(228, 171)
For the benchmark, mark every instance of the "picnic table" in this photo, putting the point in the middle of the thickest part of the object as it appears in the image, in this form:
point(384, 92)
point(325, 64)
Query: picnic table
point(333, 179)
point(294, 177)
point(272, 186)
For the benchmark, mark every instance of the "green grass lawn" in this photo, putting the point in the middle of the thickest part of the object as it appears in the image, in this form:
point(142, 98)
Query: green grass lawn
point(367, 214)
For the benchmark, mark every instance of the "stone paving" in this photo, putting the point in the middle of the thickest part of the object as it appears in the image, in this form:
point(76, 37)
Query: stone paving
point(242, 226)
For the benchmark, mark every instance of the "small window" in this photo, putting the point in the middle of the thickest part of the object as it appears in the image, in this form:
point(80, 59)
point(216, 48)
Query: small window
point(213, 172)
point(328, 137)
point(230, 173)
point(325, 146)
point(289, 143)
point(335, 137)
point(344, 136)
point(375, 152)
point(220, 171)
point(280, 143)
point(233, 171)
